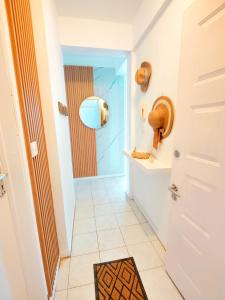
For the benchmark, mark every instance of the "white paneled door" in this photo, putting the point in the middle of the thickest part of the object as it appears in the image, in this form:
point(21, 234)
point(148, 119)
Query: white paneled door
point(12, 283)
point(196, 247)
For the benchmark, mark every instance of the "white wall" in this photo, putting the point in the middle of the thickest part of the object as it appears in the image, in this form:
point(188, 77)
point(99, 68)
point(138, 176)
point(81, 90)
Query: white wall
point(95, 34)
point(146, 17)
point(52, 85)
point(161, 47)
point(90, 33)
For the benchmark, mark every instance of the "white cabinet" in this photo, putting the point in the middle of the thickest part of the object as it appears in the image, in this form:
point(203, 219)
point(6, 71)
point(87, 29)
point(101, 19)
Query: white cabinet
point(149, 184)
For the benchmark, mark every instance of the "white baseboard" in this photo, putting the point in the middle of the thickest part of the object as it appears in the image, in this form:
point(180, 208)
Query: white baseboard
point(99, 177)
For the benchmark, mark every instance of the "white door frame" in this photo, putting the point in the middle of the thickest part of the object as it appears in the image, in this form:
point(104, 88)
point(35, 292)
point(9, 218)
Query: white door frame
point(18, 183)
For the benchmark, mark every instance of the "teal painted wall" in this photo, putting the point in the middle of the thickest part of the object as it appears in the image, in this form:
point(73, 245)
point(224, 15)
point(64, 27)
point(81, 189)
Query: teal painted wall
point(110, 139)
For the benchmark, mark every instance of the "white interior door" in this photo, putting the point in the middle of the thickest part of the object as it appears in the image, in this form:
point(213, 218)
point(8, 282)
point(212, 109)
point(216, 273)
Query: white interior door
point(12, 283)
point(196, 246)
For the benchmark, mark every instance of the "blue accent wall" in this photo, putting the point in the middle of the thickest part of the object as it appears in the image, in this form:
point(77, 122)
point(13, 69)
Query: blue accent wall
point(110, 139)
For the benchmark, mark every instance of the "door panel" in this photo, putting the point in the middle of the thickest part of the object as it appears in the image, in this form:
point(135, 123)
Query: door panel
point(12, 281)
point(196, 247)
point(21, 34)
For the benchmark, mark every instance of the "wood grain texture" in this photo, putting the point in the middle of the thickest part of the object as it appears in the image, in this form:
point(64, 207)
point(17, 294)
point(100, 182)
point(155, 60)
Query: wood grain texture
point(79, 85)
point(23, 49)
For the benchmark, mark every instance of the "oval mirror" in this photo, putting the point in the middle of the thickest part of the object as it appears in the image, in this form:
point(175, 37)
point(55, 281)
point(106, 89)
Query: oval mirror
point(94, 112)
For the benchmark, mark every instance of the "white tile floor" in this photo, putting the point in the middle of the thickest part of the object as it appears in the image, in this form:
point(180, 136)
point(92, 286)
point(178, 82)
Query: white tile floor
point(107, 226)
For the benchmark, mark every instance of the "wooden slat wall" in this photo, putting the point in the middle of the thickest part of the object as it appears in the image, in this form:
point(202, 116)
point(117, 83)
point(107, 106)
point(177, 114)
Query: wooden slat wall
point(79, 85)
point(21, 33)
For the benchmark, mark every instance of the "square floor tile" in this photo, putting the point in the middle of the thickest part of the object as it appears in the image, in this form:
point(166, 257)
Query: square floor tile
point(116, 193)
point(99, 193)
point(110, 239)
point(134, 234)
point(103, 209)
point(98, 200)
point(63, 274)
point(117, 198)
point(145, 256)
point(81, 269)
point(120, 207)
point(158, 285)
point(84, 213)
point(86, 292)
point(84, 226)
point(81, 203)
point(61, 295)
point(106, 222)
point(84, 195)
point(127, 218)
point(98, 182)
point(83, 190)
point(160, 249)
point(149, 231)
point(98, 188)
point(84, 244)
point(83, 183)
point(113, 254)
point(84, 203)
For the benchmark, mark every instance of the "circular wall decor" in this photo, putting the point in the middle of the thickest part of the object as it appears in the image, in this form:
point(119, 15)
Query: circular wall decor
point(143, 75)
point(161, 118)
point(165, 105)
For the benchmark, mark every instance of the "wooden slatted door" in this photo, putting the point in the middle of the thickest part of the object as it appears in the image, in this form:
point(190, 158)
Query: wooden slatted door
point(23, 48)
point(79, 85)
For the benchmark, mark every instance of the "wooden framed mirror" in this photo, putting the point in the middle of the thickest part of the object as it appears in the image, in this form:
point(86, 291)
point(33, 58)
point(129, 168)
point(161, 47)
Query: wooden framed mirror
point(94, 112)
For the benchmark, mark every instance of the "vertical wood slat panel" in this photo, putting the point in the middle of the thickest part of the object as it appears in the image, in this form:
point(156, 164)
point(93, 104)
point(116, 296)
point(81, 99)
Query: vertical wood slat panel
point(79, 85)
point(21, 34)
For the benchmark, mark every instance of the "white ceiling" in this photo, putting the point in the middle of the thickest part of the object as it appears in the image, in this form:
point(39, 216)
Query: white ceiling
point(122, 11)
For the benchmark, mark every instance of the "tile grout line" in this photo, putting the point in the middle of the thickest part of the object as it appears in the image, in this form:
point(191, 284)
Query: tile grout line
point(114, 213)
point(151, 241)
point(90, 283)
point(75, 207)
point(68, 288)
point(95, 224)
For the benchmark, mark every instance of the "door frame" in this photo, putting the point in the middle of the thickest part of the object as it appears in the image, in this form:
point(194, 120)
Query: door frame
point(18, 183)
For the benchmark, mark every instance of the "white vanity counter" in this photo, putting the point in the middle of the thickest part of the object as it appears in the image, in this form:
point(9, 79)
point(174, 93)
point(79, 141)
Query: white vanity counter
point(149, 182)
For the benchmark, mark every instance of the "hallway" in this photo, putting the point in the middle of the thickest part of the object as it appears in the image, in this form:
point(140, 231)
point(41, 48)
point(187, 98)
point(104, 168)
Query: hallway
point(112, 166)
point(107, 227)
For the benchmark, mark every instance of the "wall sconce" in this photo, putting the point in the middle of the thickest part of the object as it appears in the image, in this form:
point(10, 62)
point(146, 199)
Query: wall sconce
point(63, 110)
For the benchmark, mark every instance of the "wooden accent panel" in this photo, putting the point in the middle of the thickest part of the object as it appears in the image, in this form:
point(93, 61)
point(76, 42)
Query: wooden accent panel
point(23, 48)
point(79, 85)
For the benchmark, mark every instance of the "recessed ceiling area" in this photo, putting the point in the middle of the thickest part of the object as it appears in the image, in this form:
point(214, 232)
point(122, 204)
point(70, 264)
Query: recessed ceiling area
point(122, 11)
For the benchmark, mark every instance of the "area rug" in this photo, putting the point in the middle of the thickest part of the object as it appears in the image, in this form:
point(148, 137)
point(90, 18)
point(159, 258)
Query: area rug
point(118, 280)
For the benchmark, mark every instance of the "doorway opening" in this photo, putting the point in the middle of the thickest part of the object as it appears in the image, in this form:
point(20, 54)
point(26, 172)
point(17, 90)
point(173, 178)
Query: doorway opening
point(97, 146)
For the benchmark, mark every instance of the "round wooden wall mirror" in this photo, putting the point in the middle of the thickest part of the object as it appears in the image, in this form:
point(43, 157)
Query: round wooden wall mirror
point(94, 112)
